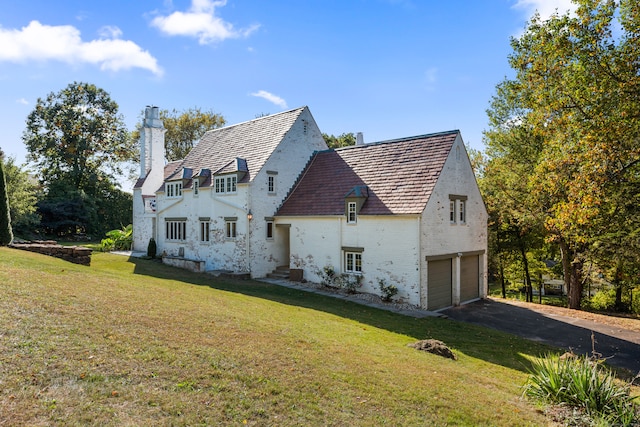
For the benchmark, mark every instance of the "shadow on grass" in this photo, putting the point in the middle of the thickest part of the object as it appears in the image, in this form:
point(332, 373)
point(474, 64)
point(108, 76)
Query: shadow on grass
point(475, 341)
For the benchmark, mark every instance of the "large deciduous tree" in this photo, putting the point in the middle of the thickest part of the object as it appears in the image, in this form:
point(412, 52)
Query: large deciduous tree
point(78, 136)
point(78, 142)
point(576, 93)
point(6, 234)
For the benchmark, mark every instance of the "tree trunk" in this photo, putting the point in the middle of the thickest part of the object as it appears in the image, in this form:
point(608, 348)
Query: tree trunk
point(525, 264)
point(575, 295)
point(617, 281)
point(566, 265)
point(540, 286)
point(504, 287)
point(500, 259)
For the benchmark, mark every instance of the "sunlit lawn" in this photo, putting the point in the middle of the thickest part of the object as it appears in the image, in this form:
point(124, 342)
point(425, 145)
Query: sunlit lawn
point(134, 342)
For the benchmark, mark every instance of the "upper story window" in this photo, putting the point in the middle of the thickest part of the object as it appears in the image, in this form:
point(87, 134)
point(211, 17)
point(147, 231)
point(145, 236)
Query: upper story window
point(271, 181)
point(271, 184)
point(196, 187)
point(352, 212)
point(457, 209)
point(226, 184)
point(173, 189)
point(462, 215)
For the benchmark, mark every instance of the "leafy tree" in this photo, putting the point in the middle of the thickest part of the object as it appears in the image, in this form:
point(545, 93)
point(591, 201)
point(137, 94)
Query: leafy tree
point(78, 142)
point(342, 140)
point(22, 191)
point(6, 234)
point(576, 94)
point(184, 130)
point(77, 136)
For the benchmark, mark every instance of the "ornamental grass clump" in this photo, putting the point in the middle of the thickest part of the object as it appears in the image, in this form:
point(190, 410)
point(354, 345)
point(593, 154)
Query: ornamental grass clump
point(585, 384)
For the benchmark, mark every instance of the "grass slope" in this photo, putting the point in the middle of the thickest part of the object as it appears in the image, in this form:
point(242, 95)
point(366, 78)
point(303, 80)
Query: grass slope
point(134, 342)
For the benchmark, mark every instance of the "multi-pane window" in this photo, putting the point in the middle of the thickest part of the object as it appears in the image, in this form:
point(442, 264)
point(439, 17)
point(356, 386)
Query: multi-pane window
point(174, 189)
point(353, 262)
point(226, 184)
point(176, 230)
point(204, 231)
point(452, 211)
point(271, 184)
point(457, 209)
point(352, 215)
point(461, 212)
point(230, 227)
point(196, 187)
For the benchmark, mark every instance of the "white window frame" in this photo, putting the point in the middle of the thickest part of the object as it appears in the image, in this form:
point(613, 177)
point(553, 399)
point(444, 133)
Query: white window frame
point(462, 211)
point(205, 231)
point(231, 229)
point(457, 209)
point(352, 212)
point(175, 230)
point(271, 184)
point(173, 189)
point(226, 184)
point(353, 262)
point(452, 211)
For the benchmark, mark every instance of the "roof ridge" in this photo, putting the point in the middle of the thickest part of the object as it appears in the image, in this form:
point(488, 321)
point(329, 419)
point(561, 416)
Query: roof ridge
point(407, 138)
point(268, 116)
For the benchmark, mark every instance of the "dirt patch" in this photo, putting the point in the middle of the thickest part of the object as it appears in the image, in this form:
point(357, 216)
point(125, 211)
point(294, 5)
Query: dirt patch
point(435, 347)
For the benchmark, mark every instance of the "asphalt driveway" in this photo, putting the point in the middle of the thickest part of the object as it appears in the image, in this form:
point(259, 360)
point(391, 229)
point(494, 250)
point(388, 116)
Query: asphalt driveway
point(621, 347)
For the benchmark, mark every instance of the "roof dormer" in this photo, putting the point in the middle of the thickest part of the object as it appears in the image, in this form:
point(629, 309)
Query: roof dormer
point(353, 202)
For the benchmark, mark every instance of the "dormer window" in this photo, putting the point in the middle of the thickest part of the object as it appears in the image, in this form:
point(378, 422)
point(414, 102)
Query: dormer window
point(173, 189)
point(353, 202)
point(352, 212)
point(226, 184)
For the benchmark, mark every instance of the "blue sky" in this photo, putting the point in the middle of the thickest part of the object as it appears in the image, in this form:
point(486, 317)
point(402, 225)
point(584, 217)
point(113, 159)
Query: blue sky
point(387, 68)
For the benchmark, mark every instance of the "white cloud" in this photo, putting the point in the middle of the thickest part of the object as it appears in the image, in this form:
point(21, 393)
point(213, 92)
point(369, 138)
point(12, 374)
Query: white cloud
point(110, 32)
point(271, 98)
point(22, 101)
point(545, 8)
point(38, 42)
point(201, 22)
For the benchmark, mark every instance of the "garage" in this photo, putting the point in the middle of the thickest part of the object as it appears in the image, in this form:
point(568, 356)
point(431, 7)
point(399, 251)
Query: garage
point(469, 278)
point(439, 287)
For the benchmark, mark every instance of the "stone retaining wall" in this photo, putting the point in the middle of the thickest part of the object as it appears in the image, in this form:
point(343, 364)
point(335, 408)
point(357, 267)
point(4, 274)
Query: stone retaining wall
point(74, 254)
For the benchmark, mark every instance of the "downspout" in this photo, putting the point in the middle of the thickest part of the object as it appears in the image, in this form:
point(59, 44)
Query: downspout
point(249, 218)
point(420, 287)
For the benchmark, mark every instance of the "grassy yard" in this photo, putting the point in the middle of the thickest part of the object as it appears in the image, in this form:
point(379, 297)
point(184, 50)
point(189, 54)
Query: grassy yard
point(134, 342)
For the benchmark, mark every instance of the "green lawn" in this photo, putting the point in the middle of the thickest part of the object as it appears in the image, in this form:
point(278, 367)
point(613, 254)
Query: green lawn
point(134, 342)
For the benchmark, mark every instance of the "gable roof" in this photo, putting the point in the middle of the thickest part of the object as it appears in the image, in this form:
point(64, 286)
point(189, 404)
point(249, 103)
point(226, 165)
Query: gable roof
point(400, 176)
point(243, 147)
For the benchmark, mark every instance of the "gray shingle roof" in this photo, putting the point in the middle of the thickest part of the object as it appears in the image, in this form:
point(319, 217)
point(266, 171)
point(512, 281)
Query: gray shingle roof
point(242, 147)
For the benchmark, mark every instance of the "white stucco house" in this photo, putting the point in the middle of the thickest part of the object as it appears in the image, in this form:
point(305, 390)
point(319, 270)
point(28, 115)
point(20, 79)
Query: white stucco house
point(267, 193)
